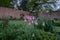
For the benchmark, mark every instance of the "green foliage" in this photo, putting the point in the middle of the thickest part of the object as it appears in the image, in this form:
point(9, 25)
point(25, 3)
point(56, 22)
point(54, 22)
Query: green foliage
point(9, 18)
point(5, 3)
point(22, 32)
point(40, 5)
point(31, 5)
point(57, 22)
point(47, 25)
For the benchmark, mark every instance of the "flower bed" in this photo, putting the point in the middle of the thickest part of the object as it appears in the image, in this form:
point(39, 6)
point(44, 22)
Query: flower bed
point(18, 30)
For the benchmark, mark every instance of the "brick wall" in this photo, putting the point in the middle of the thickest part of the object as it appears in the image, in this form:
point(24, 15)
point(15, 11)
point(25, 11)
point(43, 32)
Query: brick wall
point(16, 13)
point(47, 15)
point(11, 12)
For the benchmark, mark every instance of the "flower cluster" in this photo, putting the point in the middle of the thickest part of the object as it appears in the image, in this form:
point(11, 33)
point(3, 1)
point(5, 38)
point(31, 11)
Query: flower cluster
point(30, 19)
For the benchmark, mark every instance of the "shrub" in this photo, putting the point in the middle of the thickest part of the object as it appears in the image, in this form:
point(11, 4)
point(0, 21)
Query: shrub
point(5, 3)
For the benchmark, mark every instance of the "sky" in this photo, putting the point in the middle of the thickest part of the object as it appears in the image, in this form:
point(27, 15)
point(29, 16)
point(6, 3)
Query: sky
point(57, 5)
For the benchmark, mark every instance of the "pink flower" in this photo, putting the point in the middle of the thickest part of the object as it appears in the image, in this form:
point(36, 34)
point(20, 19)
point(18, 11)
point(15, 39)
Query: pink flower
point(29, 19)
point(33, 17)
point(25, 19)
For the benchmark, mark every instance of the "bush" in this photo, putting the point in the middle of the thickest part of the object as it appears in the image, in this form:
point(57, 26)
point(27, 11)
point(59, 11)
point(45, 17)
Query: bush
point(5, 3)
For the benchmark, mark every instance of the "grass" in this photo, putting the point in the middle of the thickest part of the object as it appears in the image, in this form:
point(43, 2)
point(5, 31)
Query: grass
point(14, 26)
point(57, 29)
point(19, 22)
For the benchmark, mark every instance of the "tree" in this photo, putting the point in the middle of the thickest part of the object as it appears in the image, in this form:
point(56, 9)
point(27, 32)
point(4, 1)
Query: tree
point(19, 4)
point(35, 5)
point(40, 5)
point(5, 3)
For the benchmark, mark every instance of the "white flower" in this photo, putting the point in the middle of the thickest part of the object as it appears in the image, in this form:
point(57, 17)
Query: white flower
point(29, 23)
point(25, 20)
point(43, 23)
point(36, 23)
point(33, 35)
point(32, 21)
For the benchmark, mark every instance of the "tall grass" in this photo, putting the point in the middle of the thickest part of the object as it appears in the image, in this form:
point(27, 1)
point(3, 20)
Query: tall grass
point(18, 30)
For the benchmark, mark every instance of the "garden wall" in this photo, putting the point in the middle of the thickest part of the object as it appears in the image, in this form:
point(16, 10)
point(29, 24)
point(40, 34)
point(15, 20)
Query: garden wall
point(16, 13)
point(11, 12)
point(47, 15)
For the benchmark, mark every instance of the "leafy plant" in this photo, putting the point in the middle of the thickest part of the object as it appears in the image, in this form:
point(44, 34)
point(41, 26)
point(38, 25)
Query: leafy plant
point(21, 32)
point(57, 22)
point(40, 5)
point(14, 31)
point(5, 3)
point(45, 25)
